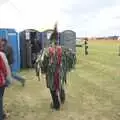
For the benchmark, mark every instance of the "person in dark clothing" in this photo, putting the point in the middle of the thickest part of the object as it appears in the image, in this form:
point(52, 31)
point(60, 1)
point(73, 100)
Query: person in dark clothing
point(7, 49)
point(5, 72)
point(86, 46)
point(36, 48)
point(9, 54)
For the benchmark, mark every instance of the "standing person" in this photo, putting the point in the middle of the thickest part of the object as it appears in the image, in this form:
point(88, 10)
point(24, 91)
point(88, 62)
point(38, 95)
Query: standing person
point(52, 62)
point(5, 47)
point(55, 62)
point(86, 46)
point(51, 66)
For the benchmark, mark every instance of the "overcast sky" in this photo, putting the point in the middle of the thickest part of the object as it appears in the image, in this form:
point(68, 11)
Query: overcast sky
point(86, 17)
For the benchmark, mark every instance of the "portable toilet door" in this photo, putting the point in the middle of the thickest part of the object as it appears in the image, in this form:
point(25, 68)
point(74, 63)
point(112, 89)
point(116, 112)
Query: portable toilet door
point(41, 35)
point(23, 63)
point(40, 40)
point(13, 39)
point(25, 49)
point(46, 37)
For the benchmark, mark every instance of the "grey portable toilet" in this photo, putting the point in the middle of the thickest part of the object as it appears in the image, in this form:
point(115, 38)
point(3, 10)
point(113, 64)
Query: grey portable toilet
point(29, 46)
point(68, 39)
point(46, 37)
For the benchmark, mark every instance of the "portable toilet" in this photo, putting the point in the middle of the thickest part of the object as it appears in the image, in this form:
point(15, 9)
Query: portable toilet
point(30, 45)
point(46, 37)
point(13, 39)
point(68, 39)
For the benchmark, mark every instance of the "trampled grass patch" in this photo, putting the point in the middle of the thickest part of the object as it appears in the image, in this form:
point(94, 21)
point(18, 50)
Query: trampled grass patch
point(92, 91)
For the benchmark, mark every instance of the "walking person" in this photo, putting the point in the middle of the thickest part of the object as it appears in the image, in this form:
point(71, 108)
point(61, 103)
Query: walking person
point(52, 62)
point(5, 74)
point(7, 49)
point(55, 62)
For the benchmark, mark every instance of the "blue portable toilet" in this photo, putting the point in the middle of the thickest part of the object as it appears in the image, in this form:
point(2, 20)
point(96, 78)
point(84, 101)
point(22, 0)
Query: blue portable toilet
point(13, 39)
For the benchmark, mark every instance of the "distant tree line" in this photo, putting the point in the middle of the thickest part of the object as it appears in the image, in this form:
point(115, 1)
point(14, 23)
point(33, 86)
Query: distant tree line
point(100, 38)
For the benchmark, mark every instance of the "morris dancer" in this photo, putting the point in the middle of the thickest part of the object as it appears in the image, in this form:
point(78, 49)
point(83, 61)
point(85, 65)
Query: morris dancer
point(55, 62)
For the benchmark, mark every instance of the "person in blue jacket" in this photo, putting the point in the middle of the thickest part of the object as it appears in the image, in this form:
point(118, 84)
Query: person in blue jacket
point(7, 49)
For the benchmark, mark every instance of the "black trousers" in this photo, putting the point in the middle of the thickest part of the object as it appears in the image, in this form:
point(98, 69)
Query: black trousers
point(56, 100)
point(2, 89)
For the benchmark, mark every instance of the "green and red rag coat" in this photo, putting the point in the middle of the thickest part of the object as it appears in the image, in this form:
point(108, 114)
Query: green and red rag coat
point(56, 63)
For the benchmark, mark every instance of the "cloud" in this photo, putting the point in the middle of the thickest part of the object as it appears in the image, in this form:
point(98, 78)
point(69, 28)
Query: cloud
point(91, 18)
point(3, 2)
point(105, 21)
point(86, 17)
point(26, 14)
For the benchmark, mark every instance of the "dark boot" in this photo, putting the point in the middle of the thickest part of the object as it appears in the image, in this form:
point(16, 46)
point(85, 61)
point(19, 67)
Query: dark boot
point(1, 102)
point(62, 96)
point(19, 78)
point(4, 116)
point(23, 83)
point(56, 102)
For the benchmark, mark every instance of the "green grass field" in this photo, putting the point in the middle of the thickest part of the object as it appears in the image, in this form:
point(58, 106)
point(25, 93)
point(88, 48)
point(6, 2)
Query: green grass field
point(93, 89)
